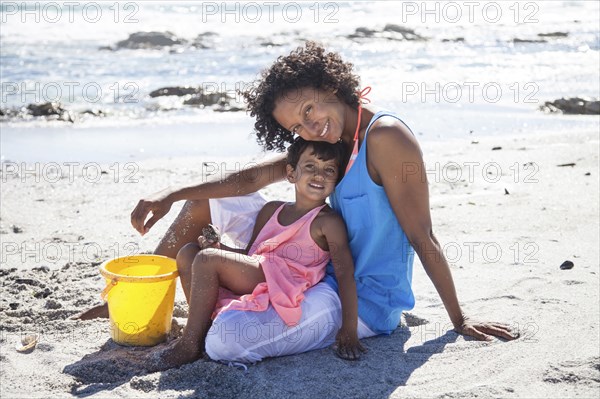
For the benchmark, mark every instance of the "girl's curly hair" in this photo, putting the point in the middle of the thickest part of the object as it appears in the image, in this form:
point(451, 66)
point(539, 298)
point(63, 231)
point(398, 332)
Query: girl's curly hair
point(308, 66)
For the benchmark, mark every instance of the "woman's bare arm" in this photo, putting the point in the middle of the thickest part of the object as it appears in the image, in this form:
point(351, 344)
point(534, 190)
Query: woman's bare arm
point(240, 183)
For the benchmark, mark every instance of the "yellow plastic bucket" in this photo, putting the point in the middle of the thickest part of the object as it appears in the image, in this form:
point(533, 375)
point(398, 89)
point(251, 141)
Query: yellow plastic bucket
point(140, 291)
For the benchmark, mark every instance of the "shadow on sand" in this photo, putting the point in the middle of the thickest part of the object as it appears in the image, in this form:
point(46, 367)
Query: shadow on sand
point(384, 369)
point(106, 369)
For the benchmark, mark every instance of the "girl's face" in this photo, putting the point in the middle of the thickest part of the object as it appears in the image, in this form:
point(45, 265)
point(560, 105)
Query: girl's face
point(313, 114)
point(314, 178)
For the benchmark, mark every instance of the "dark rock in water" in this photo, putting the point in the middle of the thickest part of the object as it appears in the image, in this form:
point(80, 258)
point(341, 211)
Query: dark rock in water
point(45, 109)
point(269, 43)
point(390, 32)
point(208, 34)
point(50, 109)
point(588, 174)
point(206, 99)
point(496, 148)
point(554, 34)
point(229, 108)
point(175, 91)
point(195, 96)
point(97, 112)
point(362, 33)
point(150, 40)
point(12, 113)
point(407, 34)
point(200, 45)
point(517, 40)
point(397, 28)
point(506, 192)
point(575, 106)
point(157, 107)
point(206, 40)
point(566, 265)
point(456, 39)
point(16, 229)
point(106, 48)
point(562, 165)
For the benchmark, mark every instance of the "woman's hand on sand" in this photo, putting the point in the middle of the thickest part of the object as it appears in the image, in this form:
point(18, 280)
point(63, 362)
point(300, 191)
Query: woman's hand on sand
point(159, 204)
point(347, 345)
point(484, 331)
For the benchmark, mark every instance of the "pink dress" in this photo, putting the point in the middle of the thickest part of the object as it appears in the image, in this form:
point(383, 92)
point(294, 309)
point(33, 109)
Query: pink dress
point(291, 261)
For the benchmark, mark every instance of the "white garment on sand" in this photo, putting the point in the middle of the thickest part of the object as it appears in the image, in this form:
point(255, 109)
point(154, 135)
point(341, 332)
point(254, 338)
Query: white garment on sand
point(249, 337)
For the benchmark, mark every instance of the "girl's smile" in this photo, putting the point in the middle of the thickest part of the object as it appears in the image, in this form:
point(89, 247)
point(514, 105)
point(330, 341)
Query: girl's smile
point(313, 177)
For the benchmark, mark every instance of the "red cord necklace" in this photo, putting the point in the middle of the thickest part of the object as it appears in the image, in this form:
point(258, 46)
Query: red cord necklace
point(361, 96)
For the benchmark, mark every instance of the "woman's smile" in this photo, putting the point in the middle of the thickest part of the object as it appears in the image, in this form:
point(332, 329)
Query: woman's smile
point(312, 114)
point(325, 129)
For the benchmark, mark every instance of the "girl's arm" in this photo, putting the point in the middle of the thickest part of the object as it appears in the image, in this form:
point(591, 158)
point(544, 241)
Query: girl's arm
point(240, 183)
point(334, 230)
point(395, 161)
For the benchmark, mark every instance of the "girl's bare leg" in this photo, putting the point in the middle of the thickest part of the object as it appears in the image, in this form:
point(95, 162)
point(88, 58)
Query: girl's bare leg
point(185, 259)
point(211, 269)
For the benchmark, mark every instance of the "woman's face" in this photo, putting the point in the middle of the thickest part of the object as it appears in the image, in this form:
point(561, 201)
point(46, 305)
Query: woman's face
point(313, 114)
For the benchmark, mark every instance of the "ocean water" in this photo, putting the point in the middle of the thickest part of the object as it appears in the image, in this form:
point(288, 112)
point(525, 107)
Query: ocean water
point(484, 84)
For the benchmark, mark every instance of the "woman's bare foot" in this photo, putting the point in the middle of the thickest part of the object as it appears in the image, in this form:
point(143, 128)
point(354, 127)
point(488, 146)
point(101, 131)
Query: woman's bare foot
point(175, 354)
point(97, 312)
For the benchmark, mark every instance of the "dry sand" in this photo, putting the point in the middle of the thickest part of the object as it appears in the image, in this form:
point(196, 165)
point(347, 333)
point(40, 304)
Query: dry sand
point(505, 249)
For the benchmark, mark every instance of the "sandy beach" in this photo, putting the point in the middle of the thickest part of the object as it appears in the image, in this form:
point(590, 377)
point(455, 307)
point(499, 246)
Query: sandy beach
point(506, 211)
point(104, 103)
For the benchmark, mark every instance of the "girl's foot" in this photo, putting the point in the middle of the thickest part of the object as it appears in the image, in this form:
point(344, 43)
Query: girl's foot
point(177, 353)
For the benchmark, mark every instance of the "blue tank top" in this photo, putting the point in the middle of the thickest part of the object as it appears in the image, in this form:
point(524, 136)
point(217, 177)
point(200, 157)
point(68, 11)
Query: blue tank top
point(383, 256)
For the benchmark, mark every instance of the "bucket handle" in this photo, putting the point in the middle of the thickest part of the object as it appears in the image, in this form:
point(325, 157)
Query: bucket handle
point(108, 287)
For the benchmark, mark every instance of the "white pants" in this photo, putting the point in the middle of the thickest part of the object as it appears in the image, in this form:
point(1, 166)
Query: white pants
point(245, 336)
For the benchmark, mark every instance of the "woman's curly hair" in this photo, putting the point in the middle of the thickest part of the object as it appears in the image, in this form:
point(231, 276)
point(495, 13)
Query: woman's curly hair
point(308, 66)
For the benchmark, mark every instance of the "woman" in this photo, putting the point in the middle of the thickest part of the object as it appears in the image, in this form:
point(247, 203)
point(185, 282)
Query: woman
point(383, 198)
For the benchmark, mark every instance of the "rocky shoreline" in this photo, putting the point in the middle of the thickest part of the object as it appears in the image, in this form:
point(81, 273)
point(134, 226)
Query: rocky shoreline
point(223, 102)
point(189, 96)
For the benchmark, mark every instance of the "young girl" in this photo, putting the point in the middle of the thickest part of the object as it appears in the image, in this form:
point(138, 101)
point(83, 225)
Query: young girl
point(290, 246)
